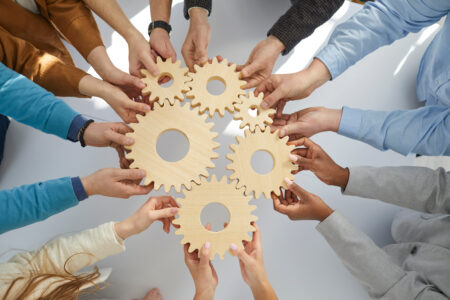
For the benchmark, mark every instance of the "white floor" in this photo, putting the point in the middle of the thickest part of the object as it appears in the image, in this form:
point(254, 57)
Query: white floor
point(299, 263)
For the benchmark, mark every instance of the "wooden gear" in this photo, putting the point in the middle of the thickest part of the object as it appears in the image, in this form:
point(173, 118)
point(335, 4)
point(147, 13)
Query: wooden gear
point(263, 117)
point(200, 196)
point(243, 151)
point(159, 93)
point(215, 103)
point(192, 165)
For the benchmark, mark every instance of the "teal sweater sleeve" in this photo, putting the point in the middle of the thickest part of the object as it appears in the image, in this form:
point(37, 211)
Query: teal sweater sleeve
point(31, 203)
point(28, 103)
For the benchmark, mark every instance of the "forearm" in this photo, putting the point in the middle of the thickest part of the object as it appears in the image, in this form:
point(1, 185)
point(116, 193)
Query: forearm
point(264, 291)
point(301, 20)
point(418, 188)
point(425, 130)
point(160, 10)
point(28, 204)
point(30, 104)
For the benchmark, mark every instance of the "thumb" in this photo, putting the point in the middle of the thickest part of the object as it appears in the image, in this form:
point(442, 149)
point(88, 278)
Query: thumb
point(130, 174)
point(133, 80)
point(249, 70)
point(163, 213)
point(273, 98)
point(296, 189)
point(290, 129)
point(204, 255)
point(240, 253)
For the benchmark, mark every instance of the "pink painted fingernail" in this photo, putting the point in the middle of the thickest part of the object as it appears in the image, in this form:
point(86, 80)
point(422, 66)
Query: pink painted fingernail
point(282, 132)
point(233, 247)
point(129, 141)
point(288, 181)
point(293, 157)
point(207, 245)
point(174, 210)
point(264, 105)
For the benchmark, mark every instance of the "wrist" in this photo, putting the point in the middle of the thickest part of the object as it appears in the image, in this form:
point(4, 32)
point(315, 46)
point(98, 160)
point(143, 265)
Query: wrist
point(342, 177)
point(318, 72)
point(324, 212)
point(88, 185)
point(198, 14)
point(124, 229)
point(275, 44)
point(204, 294)
point(332, 119)
point(263, 290)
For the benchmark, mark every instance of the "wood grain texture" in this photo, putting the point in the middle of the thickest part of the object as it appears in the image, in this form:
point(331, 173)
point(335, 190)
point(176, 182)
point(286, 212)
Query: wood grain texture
point(261, 140)
point(262, 118)
point(159, 93)
point(215, 103)
point(193, 165)
point(199, 197)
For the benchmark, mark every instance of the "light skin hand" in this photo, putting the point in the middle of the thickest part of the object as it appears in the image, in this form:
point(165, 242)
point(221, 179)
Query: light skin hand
point(202, 272)
point(286, 87)
point(261, 61)
point(307, 122)
point(313, 158)
point(117, 183)
point(195, 45)
point(251, 263)
point(299, 204)
point(140, 56)
point(162, 209)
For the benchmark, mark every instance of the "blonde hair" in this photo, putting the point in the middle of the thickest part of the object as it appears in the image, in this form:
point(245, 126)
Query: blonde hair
point(66, 286)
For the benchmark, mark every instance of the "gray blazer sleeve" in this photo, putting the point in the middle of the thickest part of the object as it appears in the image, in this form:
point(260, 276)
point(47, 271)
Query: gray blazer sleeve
point(418, 188)
point(370, 265)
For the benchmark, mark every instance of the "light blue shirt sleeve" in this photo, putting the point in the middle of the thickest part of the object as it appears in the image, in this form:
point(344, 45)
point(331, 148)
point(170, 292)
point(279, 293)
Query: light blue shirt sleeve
point(31, 203)
point(377, 24)
point(423, 131)
point(28, 103)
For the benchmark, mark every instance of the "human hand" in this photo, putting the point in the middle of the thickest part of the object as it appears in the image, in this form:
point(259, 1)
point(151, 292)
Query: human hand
point(313, 158)
point(307, 122)
point(286, 87)
point(161, 45)
point(163, 208)
point(252, 266)
point(260, 62)
point(299, 204)
point(195, 45)
point(124, 106)
point(202, 272)
point(118, 183)
point(140, 56)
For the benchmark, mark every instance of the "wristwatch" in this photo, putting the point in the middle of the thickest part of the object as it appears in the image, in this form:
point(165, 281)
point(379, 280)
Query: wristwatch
point(159, 24)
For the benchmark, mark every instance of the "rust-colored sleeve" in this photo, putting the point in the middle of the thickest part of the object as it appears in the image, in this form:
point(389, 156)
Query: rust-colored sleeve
point(74, 21)
point(39, 66)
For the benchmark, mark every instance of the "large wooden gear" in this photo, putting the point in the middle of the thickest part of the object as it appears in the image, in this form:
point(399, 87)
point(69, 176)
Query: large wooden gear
point(215, 103)
point(263, 116)
point(200, 196)
point(261, 139)
point(193, 165)
point(159, 93)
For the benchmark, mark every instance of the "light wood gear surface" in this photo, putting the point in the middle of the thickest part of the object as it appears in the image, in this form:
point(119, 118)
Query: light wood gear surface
point(215, 103)
point(199, 197)
point(261, 140)
point(251, 102)
point(196, 161)
point(159, 93)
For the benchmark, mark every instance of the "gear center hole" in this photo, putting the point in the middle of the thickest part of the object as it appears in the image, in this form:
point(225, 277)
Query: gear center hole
point(216, 86)
point(165, 80)
point(172, 145)
point(215, 215)
point(253, 111)
point(262, 162)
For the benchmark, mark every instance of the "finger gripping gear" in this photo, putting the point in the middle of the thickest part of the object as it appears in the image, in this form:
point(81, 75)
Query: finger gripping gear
point(241, 162)
point(263, 116)
point(159, 93)
point(200, 196)
point(193, 165)
point(215, 103)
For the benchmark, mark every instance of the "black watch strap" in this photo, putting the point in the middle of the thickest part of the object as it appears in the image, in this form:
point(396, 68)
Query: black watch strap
point(159, 24)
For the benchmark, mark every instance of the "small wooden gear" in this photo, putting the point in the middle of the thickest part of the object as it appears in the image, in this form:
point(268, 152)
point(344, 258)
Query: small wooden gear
point(215, 103)
point(194, 164)
point(200, 196)
point(263, 116)
point(159, 93)
point(261, 140)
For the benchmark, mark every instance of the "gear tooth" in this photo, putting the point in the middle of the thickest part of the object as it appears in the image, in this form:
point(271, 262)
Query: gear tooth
point(178, 63)
point(247, 133)
point(239, 139)
point(214, 60)
point(229, 157)
point(221, 112)
point(242, 83)
point(197, 68)
point(222, 256)
point(159, 60)
point(225, 62)
point(233, 68)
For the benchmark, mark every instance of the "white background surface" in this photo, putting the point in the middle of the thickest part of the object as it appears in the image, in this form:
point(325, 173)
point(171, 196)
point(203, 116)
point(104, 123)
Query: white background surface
point(299, 263)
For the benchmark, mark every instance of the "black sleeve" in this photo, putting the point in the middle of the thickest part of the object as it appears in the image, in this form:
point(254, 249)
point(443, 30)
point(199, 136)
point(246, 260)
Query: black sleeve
point(206, 4)
point(301, 20)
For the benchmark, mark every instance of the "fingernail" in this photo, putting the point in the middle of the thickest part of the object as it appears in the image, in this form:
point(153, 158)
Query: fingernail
point(207, 245)
point(293, 157)
point(147, 108)
point(288, 181)
point(233, 247)
point(264, 105)
point(174, 210)
point(141, 85)
point(244, 73)
point(141, 173)
point(282, 132)
point(129, 141)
